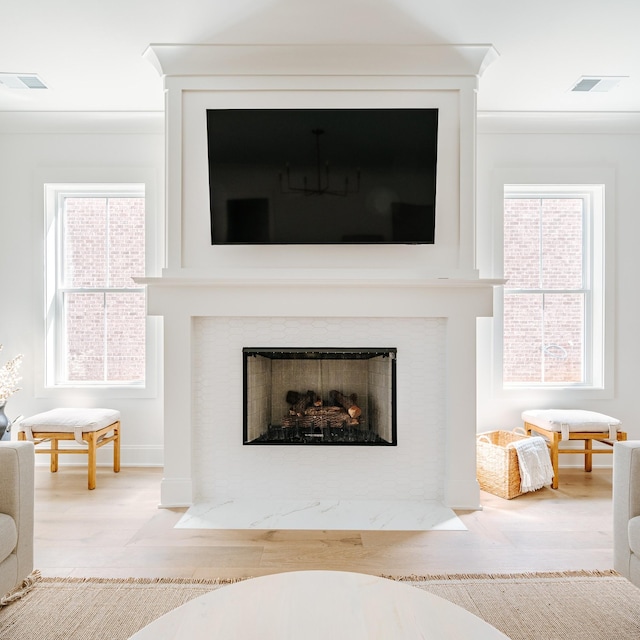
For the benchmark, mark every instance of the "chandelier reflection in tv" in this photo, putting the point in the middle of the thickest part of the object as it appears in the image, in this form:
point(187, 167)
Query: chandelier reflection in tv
point(323, 177)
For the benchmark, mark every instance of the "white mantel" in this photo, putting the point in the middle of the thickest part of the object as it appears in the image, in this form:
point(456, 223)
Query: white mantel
point(368, 287)
point(183, 301)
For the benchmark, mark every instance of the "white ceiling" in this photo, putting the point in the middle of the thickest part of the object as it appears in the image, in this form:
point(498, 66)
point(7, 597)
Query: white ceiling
point(89, 52)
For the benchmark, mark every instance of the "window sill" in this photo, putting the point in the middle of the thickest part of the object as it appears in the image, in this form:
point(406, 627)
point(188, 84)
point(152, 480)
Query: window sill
point(79, 392)
point(554, 394)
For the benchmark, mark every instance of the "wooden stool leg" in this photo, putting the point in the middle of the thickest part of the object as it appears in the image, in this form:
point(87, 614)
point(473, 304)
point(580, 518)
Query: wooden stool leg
point(54, 455)
point(588, 456)
point(91, 441)
point(555, 443)
point(116, 448)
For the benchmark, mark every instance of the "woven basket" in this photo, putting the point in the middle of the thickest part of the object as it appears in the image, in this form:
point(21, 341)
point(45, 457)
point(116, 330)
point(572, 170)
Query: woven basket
point(497, 464)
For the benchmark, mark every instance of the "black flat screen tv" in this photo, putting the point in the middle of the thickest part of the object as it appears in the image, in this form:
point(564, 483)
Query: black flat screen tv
point(322, 176)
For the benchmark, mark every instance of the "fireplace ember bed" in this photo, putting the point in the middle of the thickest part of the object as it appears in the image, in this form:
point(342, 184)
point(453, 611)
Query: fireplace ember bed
point(319, 396)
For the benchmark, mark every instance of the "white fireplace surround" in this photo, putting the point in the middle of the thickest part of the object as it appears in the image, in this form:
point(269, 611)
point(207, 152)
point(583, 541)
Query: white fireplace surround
point(424, 300)
point(228, 470)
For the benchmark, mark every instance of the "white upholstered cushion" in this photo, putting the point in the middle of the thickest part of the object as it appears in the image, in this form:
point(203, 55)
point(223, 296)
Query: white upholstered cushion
point(567, 420)
point(8, 536)
point(69, 420)
point(634, 535)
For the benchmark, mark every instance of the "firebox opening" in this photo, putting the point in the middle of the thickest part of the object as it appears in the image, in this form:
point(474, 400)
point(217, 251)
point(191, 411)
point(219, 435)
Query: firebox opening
point(320, 396)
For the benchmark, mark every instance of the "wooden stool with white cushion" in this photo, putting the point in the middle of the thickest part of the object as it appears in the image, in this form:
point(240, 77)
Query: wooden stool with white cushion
point(91, 427)
point(559, 425)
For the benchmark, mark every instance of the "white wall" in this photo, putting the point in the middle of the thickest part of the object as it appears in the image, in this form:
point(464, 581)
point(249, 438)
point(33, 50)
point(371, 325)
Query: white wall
point(29, 146)
point(587, 145)
point(72, 147)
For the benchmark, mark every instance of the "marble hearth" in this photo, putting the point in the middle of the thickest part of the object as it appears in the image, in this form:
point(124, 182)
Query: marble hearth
point(327, 515)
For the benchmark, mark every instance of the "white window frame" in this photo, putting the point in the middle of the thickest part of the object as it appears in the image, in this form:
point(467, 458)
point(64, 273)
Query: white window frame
point(51, 382)
point(596, 187)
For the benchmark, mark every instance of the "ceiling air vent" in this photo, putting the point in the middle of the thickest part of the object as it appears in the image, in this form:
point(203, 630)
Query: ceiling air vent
point(22, 81)
point(597, 83)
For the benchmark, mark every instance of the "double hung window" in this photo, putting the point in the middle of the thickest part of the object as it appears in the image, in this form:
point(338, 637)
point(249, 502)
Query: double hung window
point(95, 246)
point(553, 321)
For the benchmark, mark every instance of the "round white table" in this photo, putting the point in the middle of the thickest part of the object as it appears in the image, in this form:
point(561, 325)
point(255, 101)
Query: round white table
point(331, 605)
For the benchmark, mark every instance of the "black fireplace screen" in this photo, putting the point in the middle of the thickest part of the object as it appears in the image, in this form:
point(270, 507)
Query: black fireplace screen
point(320, 396)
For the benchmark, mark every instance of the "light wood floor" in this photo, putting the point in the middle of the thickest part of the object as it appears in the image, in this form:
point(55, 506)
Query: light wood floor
point(117, 530)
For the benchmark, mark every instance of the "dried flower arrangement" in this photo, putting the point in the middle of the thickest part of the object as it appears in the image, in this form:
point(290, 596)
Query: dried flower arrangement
point(9, 378)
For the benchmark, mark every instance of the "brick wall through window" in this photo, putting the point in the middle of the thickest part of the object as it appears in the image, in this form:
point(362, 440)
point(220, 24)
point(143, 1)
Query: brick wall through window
point(544, 301)
point(103, 310)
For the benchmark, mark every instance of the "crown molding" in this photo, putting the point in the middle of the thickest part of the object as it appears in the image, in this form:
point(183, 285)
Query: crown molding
point(572, 122)
point(320, 59)
point(73, 122)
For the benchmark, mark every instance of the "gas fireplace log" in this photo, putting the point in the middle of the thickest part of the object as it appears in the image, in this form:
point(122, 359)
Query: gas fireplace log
point(336, 416)
point(348, 402)
point(304, 401)
point(318, 411)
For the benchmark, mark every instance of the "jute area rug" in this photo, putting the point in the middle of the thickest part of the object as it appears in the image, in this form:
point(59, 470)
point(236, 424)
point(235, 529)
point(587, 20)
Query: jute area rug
point(549, 606)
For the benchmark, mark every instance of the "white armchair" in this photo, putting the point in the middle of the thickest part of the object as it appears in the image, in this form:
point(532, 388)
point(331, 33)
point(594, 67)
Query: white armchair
point(626, 509)
point(16, 513)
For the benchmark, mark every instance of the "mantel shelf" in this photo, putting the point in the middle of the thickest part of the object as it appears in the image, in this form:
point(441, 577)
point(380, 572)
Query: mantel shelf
point(213, 282)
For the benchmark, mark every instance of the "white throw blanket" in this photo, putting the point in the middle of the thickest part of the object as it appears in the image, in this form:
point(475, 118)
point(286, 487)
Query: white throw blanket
point(534, 463)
